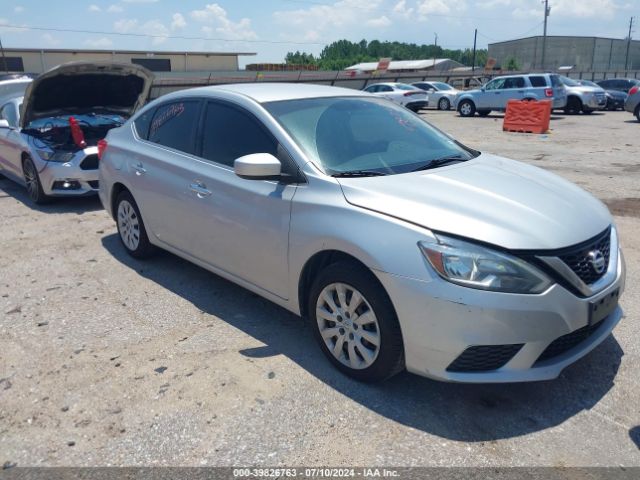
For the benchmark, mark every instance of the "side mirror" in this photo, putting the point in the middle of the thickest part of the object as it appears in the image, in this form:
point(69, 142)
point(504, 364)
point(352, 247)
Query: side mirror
point(4, 124)
point(258, 166)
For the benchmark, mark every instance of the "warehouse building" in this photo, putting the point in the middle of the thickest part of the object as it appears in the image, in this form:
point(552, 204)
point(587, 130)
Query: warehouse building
point(40, 60)
point(582, 53)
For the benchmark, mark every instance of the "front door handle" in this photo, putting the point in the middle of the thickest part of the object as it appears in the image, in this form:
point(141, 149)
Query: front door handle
point(140, 170)
point(200, 189)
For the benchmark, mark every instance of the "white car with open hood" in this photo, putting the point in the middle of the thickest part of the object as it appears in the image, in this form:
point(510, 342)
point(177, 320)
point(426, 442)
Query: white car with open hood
point(49, 138)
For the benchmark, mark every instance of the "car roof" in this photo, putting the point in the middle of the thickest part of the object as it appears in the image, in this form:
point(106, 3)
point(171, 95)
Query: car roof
point(273, 92)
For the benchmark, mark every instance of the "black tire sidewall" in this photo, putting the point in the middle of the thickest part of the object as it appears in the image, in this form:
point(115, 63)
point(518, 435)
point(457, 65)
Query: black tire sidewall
point(390, 358)
point(145, 248)
point(42, 198)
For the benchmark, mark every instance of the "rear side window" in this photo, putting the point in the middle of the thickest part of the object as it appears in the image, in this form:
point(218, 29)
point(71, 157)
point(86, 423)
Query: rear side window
point(174, 125)
point(538, 81)
point(143, 122)
point(514, 82)
point(230, 133)
point(372, 89)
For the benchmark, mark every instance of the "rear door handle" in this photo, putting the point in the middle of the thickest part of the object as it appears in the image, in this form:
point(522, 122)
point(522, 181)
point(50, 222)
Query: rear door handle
point(200, 189)
point(140, 170)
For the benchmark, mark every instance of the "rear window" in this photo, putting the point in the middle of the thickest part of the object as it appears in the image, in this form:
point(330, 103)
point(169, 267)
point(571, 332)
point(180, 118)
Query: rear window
point(404, 86)
point(538, 81)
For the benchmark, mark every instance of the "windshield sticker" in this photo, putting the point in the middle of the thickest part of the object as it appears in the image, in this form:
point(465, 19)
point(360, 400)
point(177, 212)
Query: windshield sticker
point(170, 113)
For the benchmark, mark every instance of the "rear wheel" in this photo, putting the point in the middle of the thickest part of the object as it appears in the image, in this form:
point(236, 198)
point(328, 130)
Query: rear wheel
point(131, 229)
point(355, 323)
point(444, 104)
point(32, 180)
point(467, 108)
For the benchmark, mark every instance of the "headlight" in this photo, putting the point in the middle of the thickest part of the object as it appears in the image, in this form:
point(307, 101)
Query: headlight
point(55, 156)
point(479, 267)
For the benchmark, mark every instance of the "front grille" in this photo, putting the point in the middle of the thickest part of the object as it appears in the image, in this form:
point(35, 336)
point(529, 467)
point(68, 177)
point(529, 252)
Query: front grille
point(580, 262)
point(484, 358)
point(89, 163)
point(601, 97)
point(568, 341)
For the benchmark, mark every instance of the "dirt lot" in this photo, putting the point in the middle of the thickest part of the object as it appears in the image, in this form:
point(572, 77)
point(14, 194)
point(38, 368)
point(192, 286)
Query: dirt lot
point(105, 360)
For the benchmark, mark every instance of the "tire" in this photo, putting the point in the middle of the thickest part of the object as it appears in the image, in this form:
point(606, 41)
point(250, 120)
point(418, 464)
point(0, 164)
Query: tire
point(587, 111)
point(484, 113)
point(357, 355)
point(444, 104)
point(637, 113)
point(574, 106)
point(467, 108)
point(34, 185)
point(131, 229)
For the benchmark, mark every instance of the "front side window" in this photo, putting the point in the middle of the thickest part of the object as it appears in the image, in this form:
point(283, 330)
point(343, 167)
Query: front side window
point(495, 84)
point(345, 134)
point(230, 133)
point(174, 125)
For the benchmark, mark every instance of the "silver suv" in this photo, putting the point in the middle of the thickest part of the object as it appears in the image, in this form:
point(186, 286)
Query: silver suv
point(583, 98)
point(495, 94)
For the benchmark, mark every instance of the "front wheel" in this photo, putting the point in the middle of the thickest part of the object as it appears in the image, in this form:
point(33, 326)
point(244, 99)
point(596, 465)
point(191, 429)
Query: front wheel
point(574, 105)
point(467, 108)
point(32, 180)
point(355, 323)
point(484, 113)
point(637, 113)
point(444, 104)
point(131, 229)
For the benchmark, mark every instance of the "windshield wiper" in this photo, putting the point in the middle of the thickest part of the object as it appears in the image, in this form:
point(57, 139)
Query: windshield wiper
point(359, 173)
point(439, 162)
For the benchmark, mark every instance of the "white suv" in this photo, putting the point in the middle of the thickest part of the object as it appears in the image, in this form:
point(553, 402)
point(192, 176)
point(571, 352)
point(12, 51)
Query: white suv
point(495, 94)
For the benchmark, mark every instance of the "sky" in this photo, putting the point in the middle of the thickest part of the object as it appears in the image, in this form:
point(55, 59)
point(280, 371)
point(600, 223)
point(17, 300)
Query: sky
point(271, 28)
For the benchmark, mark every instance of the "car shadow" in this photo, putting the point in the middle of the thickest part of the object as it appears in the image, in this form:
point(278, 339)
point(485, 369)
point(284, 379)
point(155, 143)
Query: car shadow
point(79, 205)
point(463, 412)
point(497, 116)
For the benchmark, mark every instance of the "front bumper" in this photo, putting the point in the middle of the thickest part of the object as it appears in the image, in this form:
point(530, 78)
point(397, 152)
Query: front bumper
point(596, 102)
point(440, 320)
point(77, 177)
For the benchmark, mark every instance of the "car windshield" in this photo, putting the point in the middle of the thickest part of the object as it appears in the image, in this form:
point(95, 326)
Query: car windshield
point(569, 82)
point(362, 135)
point(588, 83)
point(442, 86)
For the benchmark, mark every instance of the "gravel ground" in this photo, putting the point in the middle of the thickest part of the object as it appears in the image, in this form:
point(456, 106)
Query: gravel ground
point(105, 360)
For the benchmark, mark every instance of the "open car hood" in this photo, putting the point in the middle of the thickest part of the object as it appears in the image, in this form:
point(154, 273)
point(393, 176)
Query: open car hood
point(82, 87)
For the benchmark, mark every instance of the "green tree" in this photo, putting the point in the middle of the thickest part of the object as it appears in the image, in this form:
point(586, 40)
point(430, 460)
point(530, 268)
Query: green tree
point(512, 64)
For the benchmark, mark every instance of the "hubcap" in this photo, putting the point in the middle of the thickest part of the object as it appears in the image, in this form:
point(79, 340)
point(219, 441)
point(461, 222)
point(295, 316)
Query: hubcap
point(31, 178)
point(444, 104)
point(128, 225)
point(348, 325)
point(465, 109)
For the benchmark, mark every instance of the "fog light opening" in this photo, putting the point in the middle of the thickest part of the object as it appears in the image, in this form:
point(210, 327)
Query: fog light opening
point(66, 185)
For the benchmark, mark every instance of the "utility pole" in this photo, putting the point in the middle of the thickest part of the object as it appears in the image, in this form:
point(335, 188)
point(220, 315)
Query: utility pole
point(547, 10)
point(475, 38)
point(4, 60)
point(626, 60)
point(436, 43)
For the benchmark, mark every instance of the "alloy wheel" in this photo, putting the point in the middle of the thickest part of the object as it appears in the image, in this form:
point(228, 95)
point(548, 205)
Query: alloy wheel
point(31, 179)
point(443, 104)
point(348, 325)
point(129, 225)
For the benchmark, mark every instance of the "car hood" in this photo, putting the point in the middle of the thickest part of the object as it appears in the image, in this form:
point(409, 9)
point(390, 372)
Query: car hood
point(584, 89)
point(489, 199)
point(83, 87)
point(616, 93)
point(12, 88)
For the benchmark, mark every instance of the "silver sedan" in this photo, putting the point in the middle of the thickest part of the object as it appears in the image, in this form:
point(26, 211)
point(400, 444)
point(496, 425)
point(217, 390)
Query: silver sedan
point(403, 248)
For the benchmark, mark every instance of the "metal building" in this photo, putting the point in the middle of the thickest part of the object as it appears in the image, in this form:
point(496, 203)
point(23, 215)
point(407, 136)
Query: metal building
point(32, 60)
point(583, 53)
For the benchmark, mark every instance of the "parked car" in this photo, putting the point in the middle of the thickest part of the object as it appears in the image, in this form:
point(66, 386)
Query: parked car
point(441, 95)
point(48, 138)
point(13, 86)
point(619, 84)
point(632, 103)
point(615, 98)
point(403, 247)
point(403, 94)
point(583, 98)
point(495, 94)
